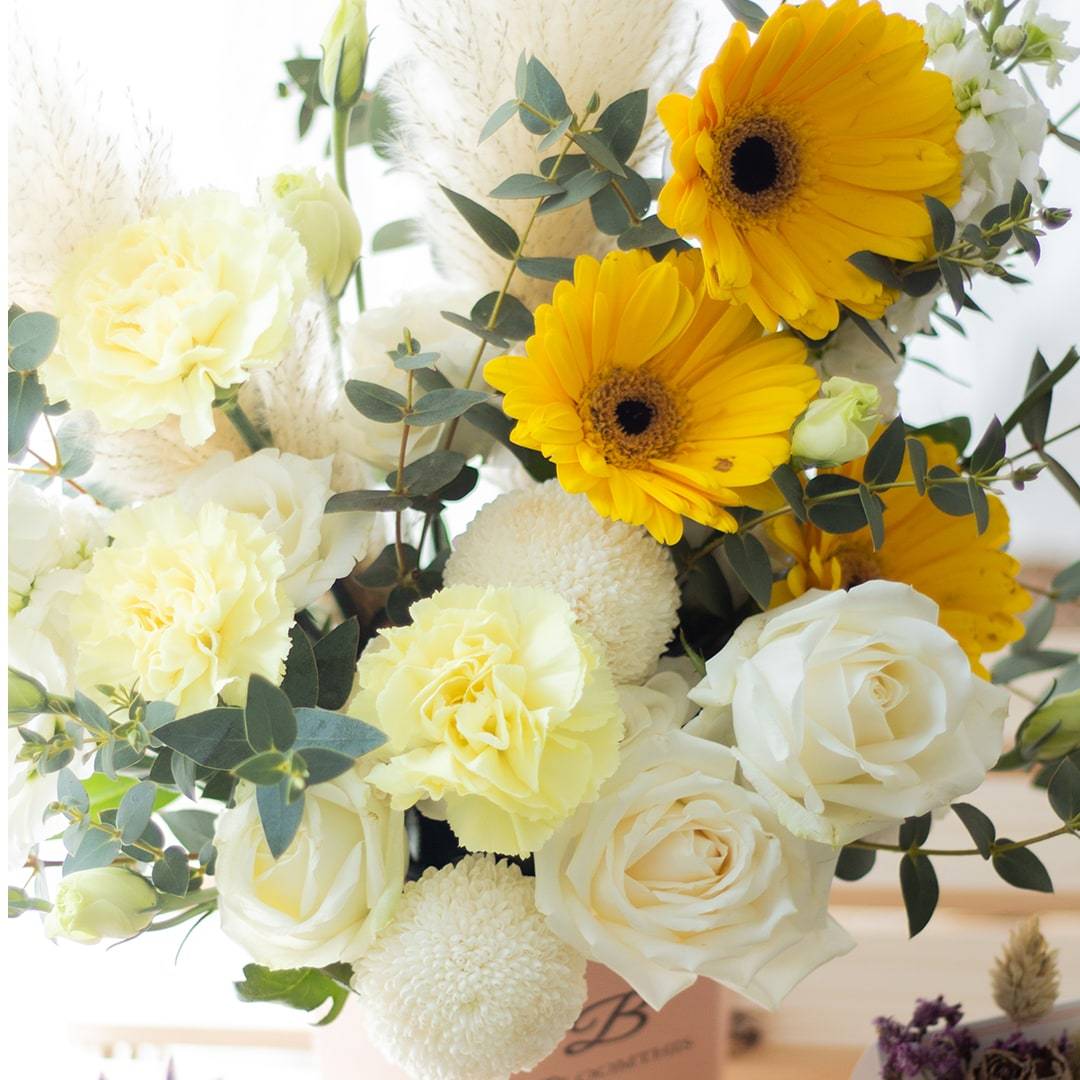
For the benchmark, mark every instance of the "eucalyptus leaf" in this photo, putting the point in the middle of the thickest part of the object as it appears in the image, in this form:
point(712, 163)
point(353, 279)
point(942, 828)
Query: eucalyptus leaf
point(790, 486)
point(525, 186)
point(323, 729)
point(335, 658)
point(542, 94)
point(514, 321)
point(1066, 584)
point(1022, 869)
point(372, 502)
point(214, 738)
point(279, 817)
point(438, 406)
point(31, 339)
point(1063, 791)
point(547, 268)
point(133, 813)
point(170, 872)
point(26, 399)
point(942, 222)
point(749, 560)
point(496, 120)
point(979, 826)
point(886, 456)
point(268, 716)
point(301, 682)
point(496, 233)
point(428, 474)
point(854, 863)
point(919, 888)
point(193, 828)
point(396, 234)
point(378, 403)
point(97, 847)
point(648, 233)
point(836, 515)
point(947, 495)
point(747, 12)
point(620, 125)
point(990, 450)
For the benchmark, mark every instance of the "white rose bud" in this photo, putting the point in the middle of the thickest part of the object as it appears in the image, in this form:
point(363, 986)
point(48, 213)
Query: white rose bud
point(344, 45)
point(853, 710)
point(109, 902)
point(319, 212)
point(838, 425)
point(1009, 40)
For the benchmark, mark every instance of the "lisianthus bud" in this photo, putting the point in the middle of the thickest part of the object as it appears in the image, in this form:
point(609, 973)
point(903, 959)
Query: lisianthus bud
point(978, 8)
point(109, 902)
point(1044, 42)
point(1009, 40)
point(319, 212)
point(344, 45)
point(837, 426)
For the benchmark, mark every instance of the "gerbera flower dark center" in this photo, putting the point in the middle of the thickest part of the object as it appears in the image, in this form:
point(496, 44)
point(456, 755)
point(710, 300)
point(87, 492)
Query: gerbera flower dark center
point(631, 417)
point(634, 416)
point(856, 566)
point(756, 166)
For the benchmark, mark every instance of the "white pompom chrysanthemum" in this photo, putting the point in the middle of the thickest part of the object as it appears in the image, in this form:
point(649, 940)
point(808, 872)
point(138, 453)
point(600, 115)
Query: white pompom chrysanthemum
point(617, 580)
point(468, 982)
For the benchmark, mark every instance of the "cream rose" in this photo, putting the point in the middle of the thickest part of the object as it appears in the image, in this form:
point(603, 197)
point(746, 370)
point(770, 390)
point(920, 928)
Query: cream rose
point(106, 902)
point(287, 494)
point(853, 710)
point(319, 212)
point(494, 701)
point(157, 316)
point(331, 891)
point(367, 342)
point(187, 605)
point(676, 871)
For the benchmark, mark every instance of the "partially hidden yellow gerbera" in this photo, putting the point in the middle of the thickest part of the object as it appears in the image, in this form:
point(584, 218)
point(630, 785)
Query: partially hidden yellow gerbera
point(817, 141)
point(652, 398)
point(968, 575)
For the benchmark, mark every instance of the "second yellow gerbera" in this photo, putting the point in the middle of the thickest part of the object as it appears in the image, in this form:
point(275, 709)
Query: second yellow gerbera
point(652, 398)
point(968, 575)
point(817, 141)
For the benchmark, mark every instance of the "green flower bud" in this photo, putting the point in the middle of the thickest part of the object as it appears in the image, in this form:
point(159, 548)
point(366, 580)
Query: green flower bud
point(317, 210)
point(344, 45)
point(1009, 40)
point(109, 902)
point(838, 425)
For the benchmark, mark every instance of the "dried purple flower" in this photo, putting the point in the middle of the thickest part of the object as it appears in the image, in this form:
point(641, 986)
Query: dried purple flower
point(932, 1044)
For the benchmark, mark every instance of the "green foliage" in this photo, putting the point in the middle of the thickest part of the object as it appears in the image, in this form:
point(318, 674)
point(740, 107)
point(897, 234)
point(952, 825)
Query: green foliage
point(438, 406)
point(919, 888)
point(886, 456)
point(301, 681)
point(496, 233)
point(31, 340)
point(281, 808)
point(170, 873)
point(855, 863)
point(1022, 868)
point(300, 988)
point(749, 561)
point(26, 400)
point(269, 723)
point(376, 402)
point(395, 234)
point(1063, 791)
point(20, 902)
point(335, 661)
point(133, 813)
point(979, 826)
point(514, 320)
point(746, 11)
point(790, 486)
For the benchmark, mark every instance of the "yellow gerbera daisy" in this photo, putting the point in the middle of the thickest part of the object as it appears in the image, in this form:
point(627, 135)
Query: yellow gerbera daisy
point(817, 141)
point(654, 399)
point(968, 575)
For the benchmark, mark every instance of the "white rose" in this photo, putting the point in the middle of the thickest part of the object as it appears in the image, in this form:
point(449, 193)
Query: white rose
point(853, 710)
point(849, 353)
point(676, 871)
point(107, 902)
point(328, 895)
point(288, 495)
point(661, 704)
point(367, 342)
point(837, 426)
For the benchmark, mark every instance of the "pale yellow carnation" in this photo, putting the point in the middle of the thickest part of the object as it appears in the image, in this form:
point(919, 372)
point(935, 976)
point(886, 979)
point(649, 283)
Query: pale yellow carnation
point(496, 702)
point(157, 315)
point(186, 604)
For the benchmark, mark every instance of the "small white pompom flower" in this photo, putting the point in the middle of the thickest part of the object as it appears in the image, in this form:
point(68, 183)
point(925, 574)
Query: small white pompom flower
point(618, 581)
point(468, 982)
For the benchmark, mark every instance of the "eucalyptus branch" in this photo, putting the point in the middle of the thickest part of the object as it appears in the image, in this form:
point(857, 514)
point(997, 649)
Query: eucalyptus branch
point(519, 252)
point(984, 480)
point(399, 483)
point(1061, 475)
point(966, 252)
point(996, 848)
point(53, 469)
point(1046, 442)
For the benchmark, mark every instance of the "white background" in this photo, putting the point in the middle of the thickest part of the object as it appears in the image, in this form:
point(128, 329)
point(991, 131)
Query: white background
point(207, 71)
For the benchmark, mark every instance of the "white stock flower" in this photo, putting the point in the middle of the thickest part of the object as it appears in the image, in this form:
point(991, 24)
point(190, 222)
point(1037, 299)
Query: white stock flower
point(158, 315)
point(617, 580)
point(1045, 42)
point(106, 902)
point(837, 426)
point(287, 494)
point(366, 343)
point(461, 60)
point(1002, 131)
point(468, 982)
point(944, 27)
point(853, 710)
point(676, 871)
point(329, 893)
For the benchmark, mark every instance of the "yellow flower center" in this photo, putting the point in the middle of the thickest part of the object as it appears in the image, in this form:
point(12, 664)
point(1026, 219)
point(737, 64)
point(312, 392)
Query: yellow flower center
point(756, 166)
point(632, 417)
point(857, 565)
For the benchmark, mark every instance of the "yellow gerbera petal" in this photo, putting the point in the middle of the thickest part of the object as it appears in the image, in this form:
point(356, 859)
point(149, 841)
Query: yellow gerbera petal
point(793, 154)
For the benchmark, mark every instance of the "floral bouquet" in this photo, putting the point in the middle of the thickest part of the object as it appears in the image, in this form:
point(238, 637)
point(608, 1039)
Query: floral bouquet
point(717, 630)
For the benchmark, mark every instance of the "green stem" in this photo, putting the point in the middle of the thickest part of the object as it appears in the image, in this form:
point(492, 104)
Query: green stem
point(1061, 475)
point(339, 143)
point(399, 484)
point(995, 848)
point(252, 436)
point(1046, 442)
